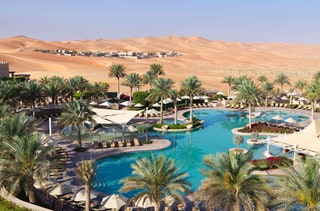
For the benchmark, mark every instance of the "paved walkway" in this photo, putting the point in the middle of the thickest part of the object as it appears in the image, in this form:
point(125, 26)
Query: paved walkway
point(69, 177)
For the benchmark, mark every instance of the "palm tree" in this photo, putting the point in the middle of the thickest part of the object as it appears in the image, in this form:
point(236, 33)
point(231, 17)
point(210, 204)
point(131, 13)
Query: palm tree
point(148, 78)
point(15, 125)
point(32, 93)
point(156, 70)
point(24, 159)
point(74, 84)
point(174, 96)
point(230, 184)
point(53, 89)
point(86, 171)
point(98, 91)
point(191, 86)
point(316, 76)
point(117, 71)
point(313, 93)
point(4, 111)
point(156, 178)
point(160, 91)
point(248, 92)
point(262, 79)
point(301, 84)
point(300, 185)
point(77, 115)
point(132, 80)
point(282, 79)
point(267, 88)
point(237, 140)
point(10, 92)
point(228, 80)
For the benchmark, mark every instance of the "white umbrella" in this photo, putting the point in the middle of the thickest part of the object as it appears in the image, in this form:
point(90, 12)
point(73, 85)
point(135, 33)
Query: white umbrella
point(93, 103)
point(106, 104)
point(156, 105)
point(302, 99)
point(127, 103)
point(284, 98)
point(220, 93)
point(152, 111)
point(114, 201)
point(60, 189)
point(178, 99)
point(185, 97)
point(80, 195)
point(144, 202)
point(290, 120)
point(138, 105)
point(277, 117)
point(168, 100)
point(205, 97)
point(196, 97)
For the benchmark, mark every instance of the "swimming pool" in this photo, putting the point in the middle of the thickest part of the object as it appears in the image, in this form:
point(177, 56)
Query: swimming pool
point(188, 149)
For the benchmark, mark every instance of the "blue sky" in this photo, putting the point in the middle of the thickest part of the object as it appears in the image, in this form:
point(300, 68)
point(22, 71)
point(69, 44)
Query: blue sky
point(293, 21)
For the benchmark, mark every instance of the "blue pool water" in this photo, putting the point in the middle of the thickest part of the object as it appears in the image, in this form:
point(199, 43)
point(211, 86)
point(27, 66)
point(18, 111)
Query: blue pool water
point(187, 149)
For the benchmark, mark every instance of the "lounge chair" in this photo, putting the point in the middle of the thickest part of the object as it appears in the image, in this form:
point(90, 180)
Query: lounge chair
point(129, 142)
point(112, 144)
point(104, 144)
point(120, 144)
point(137, 142)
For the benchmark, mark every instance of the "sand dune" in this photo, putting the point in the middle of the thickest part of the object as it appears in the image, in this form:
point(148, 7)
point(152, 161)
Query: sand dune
point(209, 60)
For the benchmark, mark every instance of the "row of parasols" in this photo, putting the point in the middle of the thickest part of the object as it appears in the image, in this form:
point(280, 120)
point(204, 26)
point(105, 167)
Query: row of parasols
point(139, 105)
point(114, 201)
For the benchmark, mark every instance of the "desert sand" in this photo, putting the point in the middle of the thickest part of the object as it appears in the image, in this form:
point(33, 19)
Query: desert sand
point(207, 59)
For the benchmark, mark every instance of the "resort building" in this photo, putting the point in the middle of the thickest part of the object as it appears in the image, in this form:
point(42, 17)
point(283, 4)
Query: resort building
point(6, 73)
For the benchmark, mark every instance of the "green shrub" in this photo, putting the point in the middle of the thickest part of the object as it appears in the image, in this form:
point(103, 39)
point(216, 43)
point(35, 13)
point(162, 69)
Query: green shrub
point(9, 206)
point(146, 142)
point(140, 97)
point(80, 149)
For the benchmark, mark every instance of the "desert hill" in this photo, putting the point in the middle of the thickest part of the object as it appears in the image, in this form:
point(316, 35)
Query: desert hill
point(209, 60)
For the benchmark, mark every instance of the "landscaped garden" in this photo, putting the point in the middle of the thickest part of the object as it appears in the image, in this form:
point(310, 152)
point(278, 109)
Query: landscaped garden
point(264, 127)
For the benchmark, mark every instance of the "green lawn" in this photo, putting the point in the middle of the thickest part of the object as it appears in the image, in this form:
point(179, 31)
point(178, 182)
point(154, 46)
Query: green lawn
point(8, 206)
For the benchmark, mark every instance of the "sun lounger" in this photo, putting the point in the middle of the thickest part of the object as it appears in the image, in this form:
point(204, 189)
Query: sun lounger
point(120, 144)
point(104, 144)
point(129, 142)
point(136, 142)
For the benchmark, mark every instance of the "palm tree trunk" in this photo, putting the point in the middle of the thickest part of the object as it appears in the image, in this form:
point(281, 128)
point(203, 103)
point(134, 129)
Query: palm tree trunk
point(130, 95)
point(191, 114)
point(266, 101)
point(118, 92)
point(312, 109)
point(161, 111)
point(79, 136)
point(250, 116)
point(52, 99)
point(33, 107)
point(30, 192)
point(87, 195)
point(157, 206)
point(175, 112)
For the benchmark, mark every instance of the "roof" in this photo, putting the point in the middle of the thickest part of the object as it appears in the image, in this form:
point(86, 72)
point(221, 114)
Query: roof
point(109, 116)
point(307, 139)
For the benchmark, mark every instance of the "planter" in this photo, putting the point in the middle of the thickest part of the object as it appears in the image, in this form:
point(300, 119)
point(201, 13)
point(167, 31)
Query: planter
point(238, 150)
point(255, 142)
point(165, 127)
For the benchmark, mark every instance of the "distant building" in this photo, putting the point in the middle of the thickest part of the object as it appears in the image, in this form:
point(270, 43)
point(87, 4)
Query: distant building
point(4, 70)
point(6, 73)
